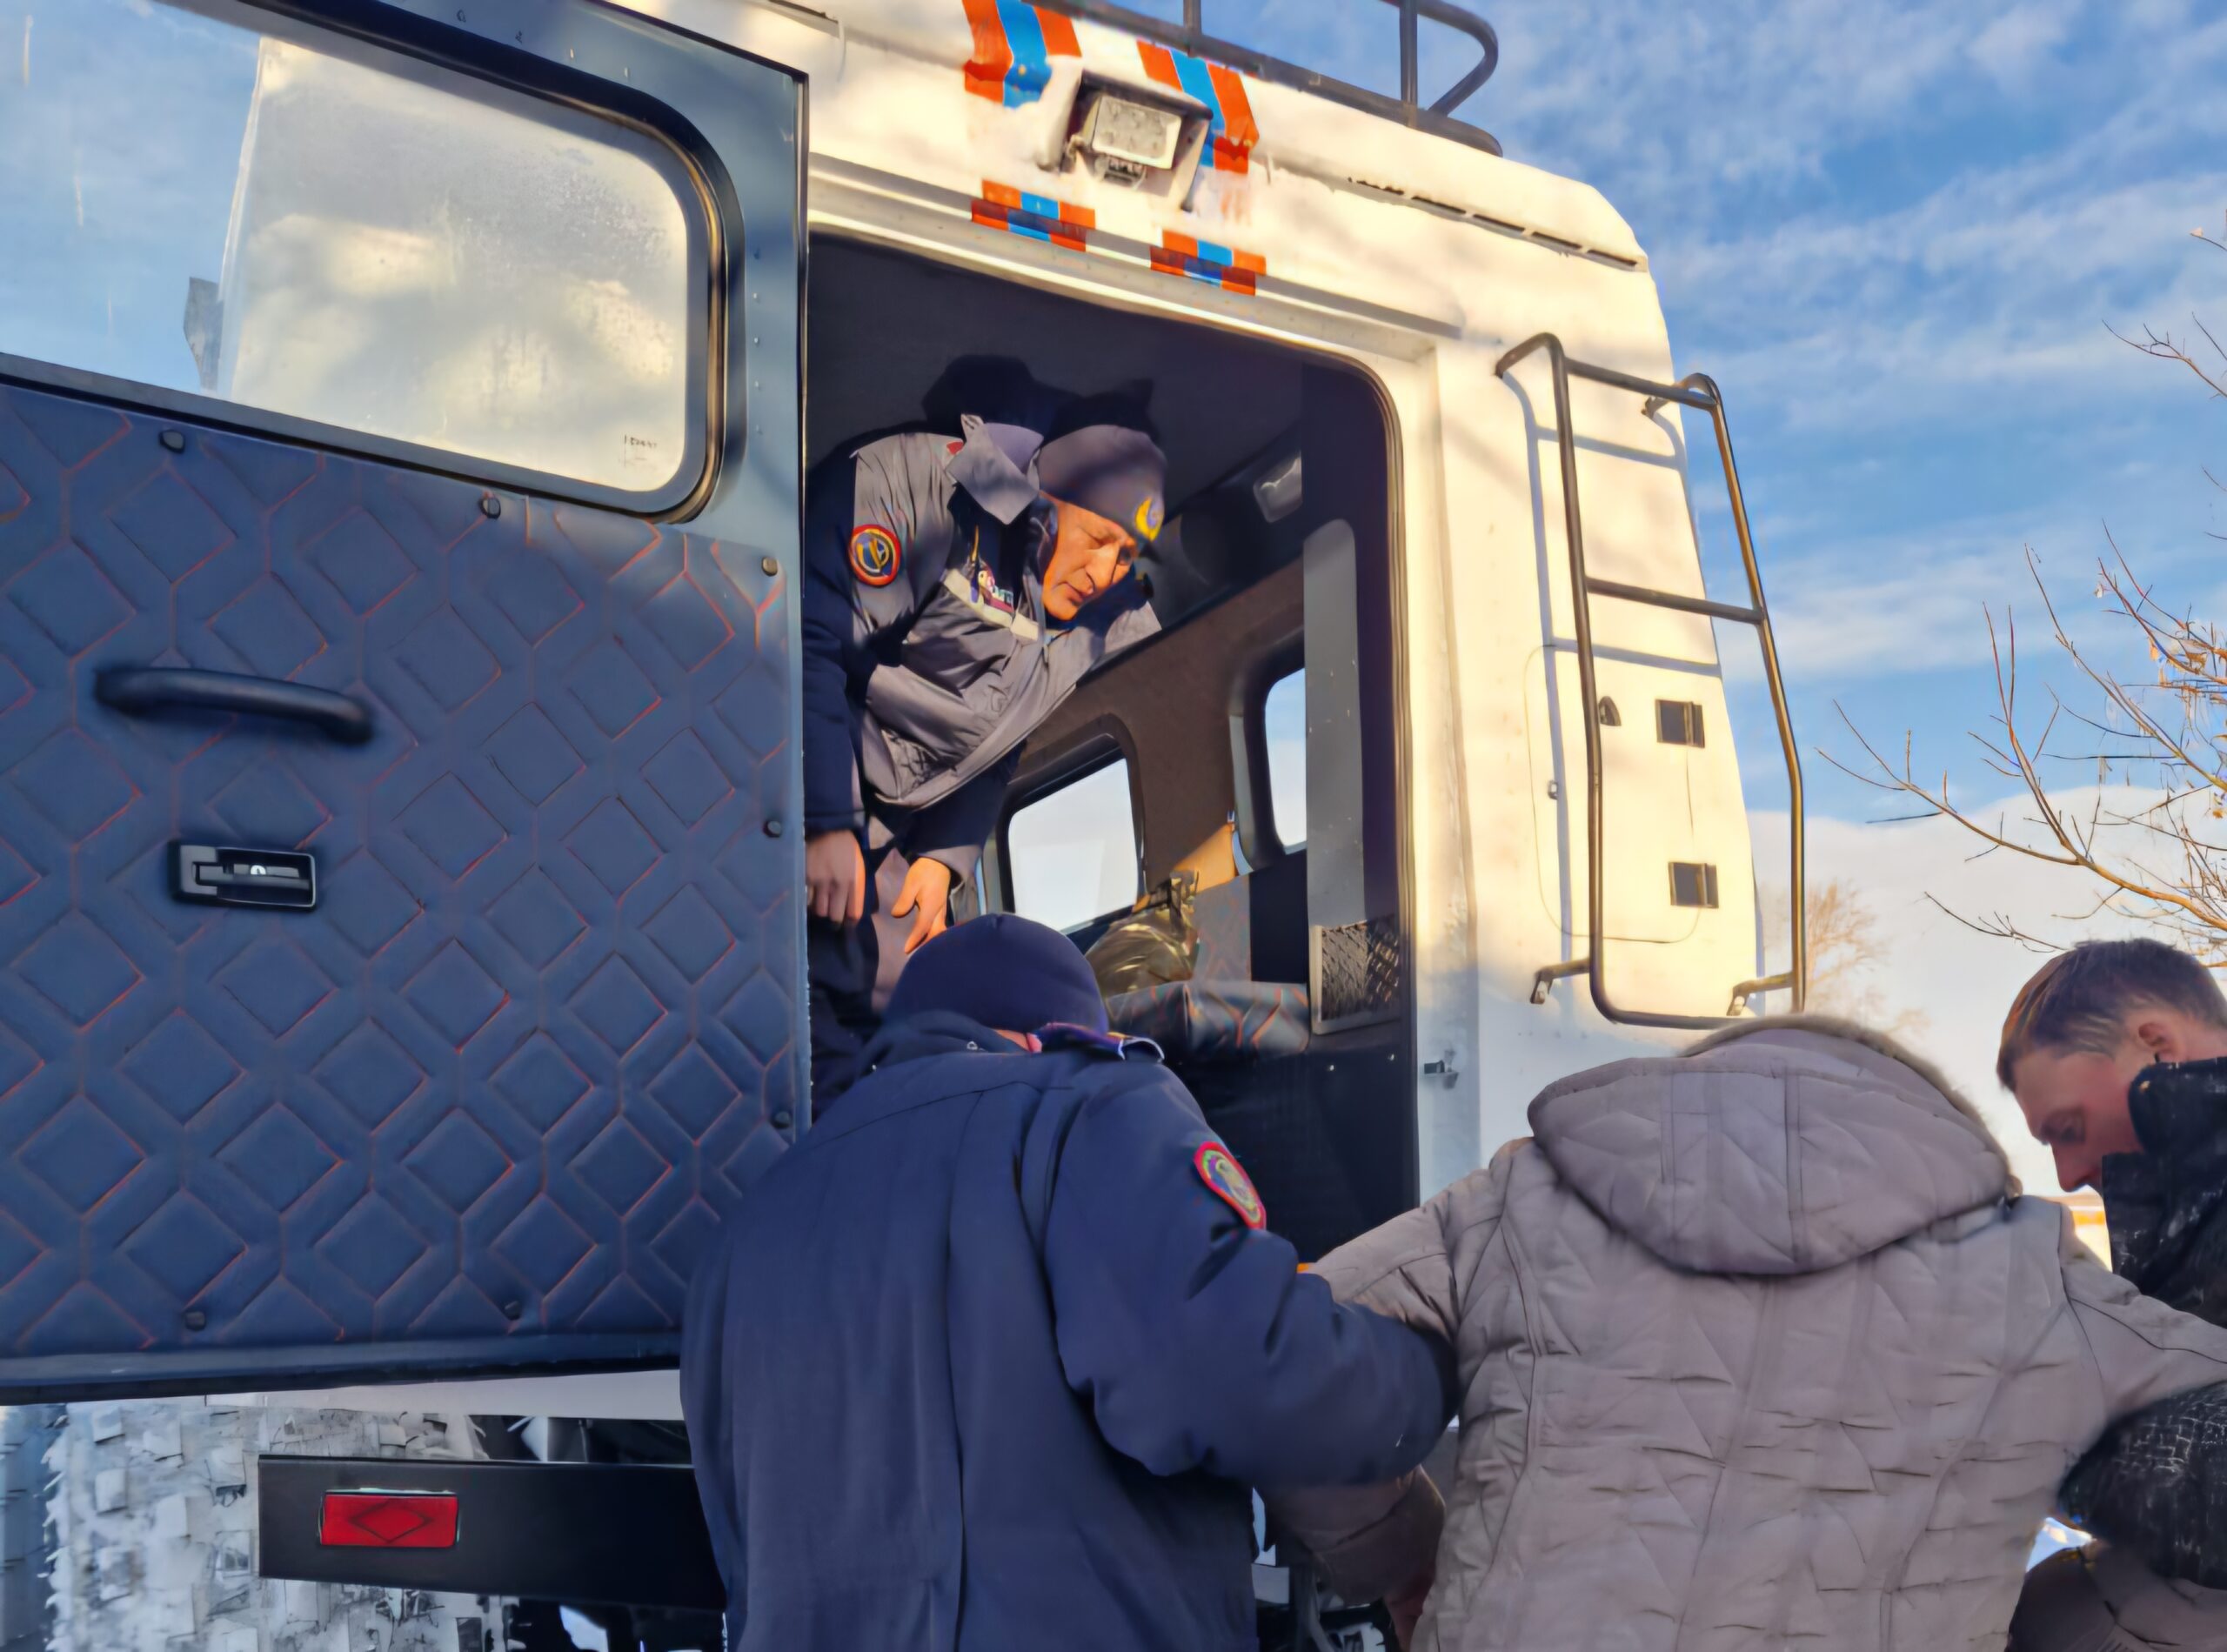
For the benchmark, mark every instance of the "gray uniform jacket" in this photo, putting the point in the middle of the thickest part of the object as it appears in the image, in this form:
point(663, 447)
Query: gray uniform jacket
point(928, 659)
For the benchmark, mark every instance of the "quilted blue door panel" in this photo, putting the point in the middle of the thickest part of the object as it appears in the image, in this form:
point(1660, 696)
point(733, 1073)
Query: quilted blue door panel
point(479, 1106)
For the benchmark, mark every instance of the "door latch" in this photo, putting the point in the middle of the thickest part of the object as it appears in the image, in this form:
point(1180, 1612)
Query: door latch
point(282, 878)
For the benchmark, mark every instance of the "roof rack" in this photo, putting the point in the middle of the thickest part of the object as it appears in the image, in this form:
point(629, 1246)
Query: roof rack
point(1408, 109)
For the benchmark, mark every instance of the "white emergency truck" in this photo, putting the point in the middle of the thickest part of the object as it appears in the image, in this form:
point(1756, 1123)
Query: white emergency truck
point(403, 410)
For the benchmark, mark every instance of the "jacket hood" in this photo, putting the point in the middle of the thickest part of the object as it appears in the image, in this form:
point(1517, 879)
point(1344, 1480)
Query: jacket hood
point(1784, 1146)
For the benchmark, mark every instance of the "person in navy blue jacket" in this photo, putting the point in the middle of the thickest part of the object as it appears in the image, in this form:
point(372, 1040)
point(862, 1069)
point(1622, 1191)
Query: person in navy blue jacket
point(987, 1361)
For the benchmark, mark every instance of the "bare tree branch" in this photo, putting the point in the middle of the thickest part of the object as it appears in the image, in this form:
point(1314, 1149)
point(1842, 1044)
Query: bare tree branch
point(2162, 856)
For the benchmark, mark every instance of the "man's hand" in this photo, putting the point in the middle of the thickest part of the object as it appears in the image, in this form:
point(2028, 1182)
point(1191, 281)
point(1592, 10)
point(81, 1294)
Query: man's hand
point(927, 895)
point(835, 877)
point(1407, 1607)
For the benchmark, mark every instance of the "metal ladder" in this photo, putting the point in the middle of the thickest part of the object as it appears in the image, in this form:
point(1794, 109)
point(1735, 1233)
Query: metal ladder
point(1696, 390)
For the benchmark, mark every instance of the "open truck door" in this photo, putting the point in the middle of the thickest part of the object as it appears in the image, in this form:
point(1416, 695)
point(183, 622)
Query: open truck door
point(398, 780)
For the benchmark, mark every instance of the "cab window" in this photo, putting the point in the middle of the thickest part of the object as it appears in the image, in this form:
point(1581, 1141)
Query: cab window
point(1071, 853)
point(221, 203)
point(1283, 731)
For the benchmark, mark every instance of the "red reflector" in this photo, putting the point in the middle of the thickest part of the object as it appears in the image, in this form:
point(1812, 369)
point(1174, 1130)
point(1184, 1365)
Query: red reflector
point(388, 1520)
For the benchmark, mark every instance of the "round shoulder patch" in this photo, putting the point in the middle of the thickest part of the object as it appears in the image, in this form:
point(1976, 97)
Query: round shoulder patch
point(875, 555)
point(1226, 1180)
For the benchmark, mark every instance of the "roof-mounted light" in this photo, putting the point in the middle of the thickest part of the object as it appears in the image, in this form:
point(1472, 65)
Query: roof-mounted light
point(1133, 135)
point(1125, 139)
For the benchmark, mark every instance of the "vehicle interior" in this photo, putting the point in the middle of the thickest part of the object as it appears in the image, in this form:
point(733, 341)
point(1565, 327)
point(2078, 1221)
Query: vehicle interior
point(1251, 746)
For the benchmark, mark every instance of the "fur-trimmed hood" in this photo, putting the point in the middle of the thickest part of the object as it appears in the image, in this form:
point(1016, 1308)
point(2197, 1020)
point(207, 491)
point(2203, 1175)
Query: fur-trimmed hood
point(1782, 1145)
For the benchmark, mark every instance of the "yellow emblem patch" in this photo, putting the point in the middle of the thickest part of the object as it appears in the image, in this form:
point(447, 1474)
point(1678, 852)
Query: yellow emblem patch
point(875, 555)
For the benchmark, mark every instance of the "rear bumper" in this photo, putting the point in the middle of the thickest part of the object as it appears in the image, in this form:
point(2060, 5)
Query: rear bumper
point(611, 1534)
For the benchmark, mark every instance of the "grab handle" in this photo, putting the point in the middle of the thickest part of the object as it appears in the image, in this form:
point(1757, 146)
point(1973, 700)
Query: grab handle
point(136, 691)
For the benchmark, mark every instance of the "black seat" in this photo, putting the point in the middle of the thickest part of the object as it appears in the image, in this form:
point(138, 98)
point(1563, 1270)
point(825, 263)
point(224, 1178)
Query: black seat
point(1247, 999)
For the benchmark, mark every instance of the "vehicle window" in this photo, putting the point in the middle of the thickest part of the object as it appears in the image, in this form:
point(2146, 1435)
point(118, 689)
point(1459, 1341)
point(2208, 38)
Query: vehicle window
point(196, 203)
point(1071, 854)
point(1283, 722)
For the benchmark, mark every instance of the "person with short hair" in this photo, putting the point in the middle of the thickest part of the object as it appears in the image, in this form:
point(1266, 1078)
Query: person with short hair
point(2116, 1054)
point(987, 1361)
point(2091, 1023)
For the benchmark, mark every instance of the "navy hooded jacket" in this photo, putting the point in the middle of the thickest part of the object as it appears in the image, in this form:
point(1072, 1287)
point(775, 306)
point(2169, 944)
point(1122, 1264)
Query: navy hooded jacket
point(986, 1364)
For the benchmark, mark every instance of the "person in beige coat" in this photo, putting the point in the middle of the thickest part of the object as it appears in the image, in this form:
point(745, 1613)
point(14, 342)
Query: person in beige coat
point(1758, 1347)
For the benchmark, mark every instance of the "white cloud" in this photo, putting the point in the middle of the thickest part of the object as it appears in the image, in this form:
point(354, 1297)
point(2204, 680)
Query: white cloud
point(1680, 98)
point(1852, 606)
point(2014, 44)
point(1848, 618)
point(1933, 314)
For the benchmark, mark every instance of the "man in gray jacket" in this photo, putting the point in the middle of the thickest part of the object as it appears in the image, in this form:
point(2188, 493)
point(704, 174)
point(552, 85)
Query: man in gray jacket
point(1757, 1347)
point(955, 592)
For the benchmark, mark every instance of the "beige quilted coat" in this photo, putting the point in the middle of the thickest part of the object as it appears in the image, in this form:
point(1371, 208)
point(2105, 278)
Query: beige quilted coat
point(1759, 1347)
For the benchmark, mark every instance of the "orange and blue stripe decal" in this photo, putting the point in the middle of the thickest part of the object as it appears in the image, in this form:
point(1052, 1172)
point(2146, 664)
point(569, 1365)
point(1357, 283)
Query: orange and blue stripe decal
point(1232, 129)
point(1219, 266)
point(1040, 217)
point(1014, 44)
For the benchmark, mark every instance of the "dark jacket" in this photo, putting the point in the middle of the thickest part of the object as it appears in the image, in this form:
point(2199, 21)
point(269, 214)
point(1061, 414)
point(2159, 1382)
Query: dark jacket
point(927, 657)
point(986, 1362)
point(2156, 1483)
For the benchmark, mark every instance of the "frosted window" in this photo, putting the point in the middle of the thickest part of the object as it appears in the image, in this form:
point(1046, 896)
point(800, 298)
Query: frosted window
point(1072, 852)
point(1284, 727)
point(359, 240)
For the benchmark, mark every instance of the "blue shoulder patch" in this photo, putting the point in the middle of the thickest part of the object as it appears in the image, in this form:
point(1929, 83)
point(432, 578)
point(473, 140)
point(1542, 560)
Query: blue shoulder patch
point(1062, 1035)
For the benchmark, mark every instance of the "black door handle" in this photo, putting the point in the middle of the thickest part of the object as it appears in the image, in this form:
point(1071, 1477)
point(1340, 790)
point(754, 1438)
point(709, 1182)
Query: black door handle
point(136, 691)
